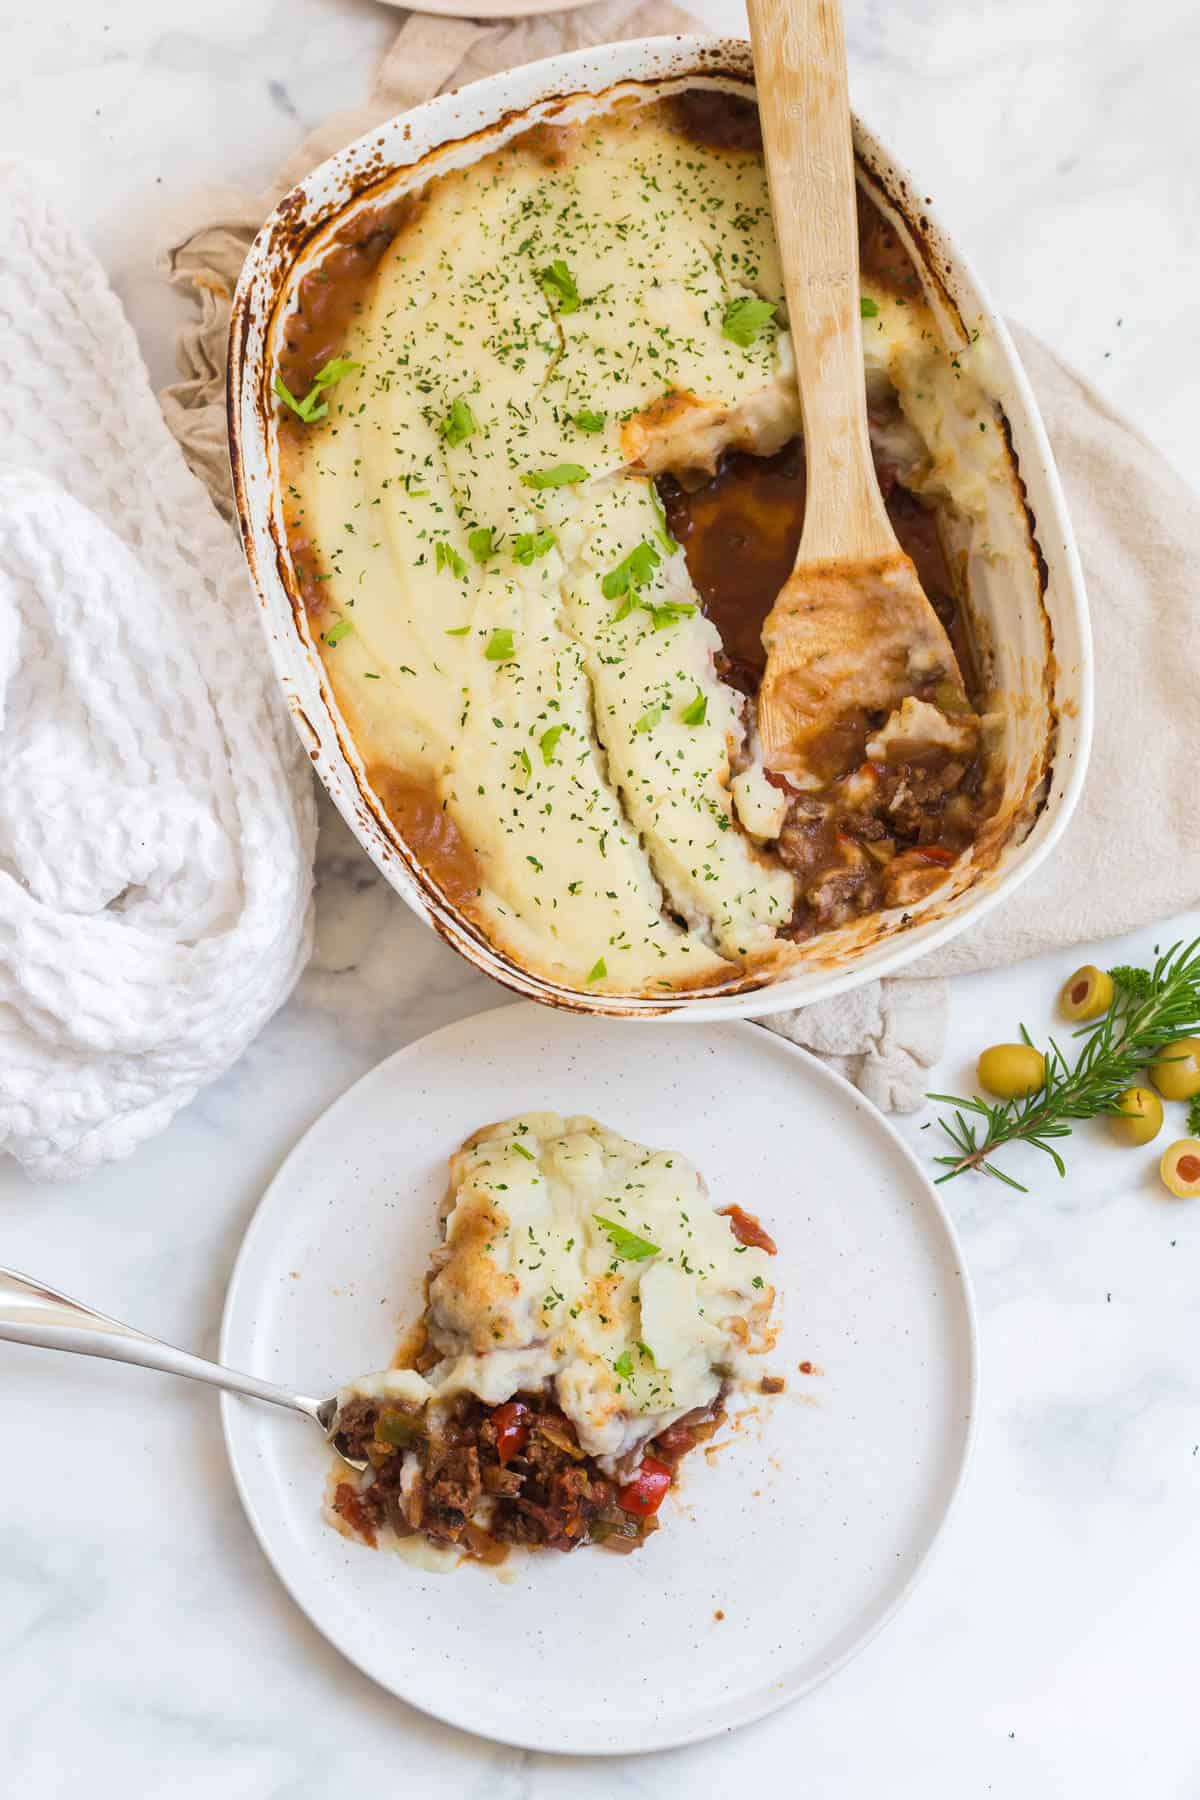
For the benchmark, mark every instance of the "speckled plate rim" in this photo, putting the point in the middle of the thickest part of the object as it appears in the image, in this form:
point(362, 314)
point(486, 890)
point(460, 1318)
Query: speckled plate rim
point(758, 1703)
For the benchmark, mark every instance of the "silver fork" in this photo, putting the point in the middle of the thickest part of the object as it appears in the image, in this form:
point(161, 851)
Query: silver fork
point(31, 1313)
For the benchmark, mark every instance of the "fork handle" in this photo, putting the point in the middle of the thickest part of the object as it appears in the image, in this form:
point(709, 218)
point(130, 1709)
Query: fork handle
point(31, 1313)
point(804, 105)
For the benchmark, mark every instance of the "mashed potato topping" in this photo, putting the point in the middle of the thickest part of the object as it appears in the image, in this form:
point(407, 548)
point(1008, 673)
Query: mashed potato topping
point(511, 631)
point(576, 1259)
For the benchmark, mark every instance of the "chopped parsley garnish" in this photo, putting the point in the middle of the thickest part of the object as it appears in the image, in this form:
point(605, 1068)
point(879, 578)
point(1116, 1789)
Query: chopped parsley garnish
point(623, 1365)
point(669, 613)
point(561, 475)
point(649, 719)
point(459, 631)
point(500, 646)
point(548, 740)
point(587, 420)
point(312, 407)
point(868, 308)
point(598, 970)
point(697, 712)
point(480, 542)
point(632, 573)
point(744, 318)
point(530, 544)
point(527, 1154)
point(627, 1244)
point(445, 556)
point(337, 632)
point(459, 424)
point(526, 768)
point(558, 284)
point(757, 1282)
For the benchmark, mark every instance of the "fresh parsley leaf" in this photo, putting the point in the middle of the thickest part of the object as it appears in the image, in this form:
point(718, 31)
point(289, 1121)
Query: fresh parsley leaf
point(530, 544)
point(868, 308)
point(670, 612)
point(649, 719)
point(744, 318)
point(459, 631)
point(337, 632)
point(1193, 1116)
point(627, 1244)
point(623, 1364)
point(598, 970)
point(459, 424)
point(445, 556)
point(312, 407)
point(524, 764)
point(500, 647)
point(548, 740)
point(587, 420)
point(632, 573)
point(757, 1282)
point(480, 542)
point(697, 712)
point(561, 475)
point(558, 284)
point(1137, 984)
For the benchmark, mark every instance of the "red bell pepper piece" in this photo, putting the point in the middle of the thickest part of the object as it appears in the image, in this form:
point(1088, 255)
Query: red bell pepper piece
point(644, 1494)
point(512, 1429)
point(747, 1230)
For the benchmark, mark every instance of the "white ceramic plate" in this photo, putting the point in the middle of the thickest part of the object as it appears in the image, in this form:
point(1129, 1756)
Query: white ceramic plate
point(805, 1532)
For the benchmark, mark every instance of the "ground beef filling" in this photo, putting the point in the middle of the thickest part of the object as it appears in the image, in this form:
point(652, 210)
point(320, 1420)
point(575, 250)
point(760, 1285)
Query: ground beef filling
point(885, 836)
point(480, 1478)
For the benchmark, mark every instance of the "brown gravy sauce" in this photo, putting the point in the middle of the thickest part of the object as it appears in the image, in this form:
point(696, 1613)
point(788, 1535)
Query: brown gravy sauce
point(740, 532)
point(330, 296)
point(415, 809)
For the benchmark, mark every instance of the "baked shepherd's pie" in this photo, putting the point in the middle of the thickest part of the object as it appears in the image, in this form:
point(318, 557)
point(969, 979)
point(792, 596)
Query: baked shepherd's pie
point(587, 1314)
point(540, 447)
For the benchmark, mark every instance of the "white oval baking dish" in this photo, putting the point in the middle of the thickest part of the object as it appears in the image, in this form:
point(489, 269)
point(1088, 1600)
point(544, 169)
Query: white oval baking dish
point(1033, 622)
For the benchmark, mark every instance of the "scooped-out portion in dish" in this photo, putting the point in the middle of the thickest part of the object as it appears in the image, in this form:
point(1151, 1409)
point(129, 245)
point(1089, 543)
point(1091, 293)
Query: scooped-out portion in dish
point(540, 445)
point(587, 1316)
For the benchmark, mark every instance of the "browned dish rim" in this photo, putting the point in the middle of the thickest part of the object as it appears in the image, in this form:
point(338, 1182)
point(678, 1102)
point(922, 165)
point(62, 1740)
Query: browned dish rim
point(292, 232)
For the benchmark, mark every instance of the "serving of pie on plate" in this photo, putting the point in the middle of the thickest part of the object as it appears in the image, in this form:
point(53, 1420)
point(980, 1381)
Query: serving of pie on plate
point(588, 1315)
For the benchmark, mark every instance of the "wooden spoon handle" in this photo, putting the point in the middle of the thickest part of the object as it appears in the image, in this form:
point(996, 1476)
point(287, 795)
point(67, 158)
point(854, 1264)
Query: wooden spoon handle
point(800, 65)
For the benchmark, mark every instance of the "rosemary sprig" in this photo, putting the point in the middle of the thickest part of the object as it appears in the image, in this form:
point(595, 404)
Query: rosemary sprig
point(1150, 1008)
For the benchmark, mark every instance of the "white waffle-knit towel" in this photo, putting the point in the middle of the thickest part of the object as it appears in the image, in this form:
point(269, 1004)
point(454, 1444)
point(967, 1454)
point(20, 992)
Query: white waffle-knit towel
point(156, 818)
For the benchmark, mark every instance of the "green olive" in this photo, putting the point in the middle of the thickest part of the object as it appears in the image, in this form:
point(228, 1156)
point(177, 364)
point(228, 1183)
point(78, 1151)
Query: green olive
point(1138, 1117)
point(1087, 993)
point(1175, 1071)
point(1011, 1071)
point(1180, 1168)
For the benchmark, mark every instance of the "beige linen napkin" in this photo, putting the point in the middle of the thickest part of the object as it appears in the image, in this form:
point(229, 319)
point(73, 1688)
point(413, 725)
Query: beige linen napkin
point(1132, 852)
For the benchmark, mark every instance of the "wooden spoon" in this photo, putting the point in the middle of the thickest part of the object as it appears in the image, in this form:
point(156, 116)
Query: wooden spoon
point(851, 632)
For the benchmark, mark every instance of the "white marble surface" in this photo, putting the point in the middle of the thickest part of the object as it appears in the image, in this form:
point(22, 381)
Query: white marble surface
point(145, 1647)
